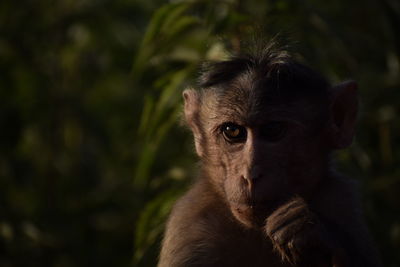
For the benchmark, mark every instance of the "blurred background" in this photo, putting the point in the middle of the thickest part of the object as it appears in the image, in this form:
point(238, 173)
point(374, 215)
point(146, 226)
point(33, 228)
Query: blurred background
point(92, 155)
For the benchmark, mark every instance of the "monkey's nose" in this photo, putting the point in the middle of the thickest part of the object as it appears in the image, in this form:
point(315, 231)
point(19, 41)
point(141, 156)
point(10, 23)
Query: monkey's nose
point(245, 181)
point(251, 177)
point(249, 181)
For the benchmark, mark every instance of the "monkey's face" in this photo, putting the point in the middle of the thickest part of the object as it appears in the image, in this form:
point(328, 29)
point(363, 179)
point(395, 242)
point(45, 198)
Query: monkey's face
point(263, 162)
point(259, 154)
point(264, 131)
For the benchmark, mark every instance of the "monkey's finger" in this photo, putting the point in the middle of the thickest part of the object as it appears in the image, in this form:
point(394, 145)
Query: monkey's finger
point(284, 234)
point(296, 203)
point(296, 218)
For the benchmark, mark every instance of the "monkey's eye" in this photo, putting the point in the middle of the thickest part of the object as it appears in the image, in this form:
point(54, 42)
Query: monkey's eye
point(233, 133)
point(274, 131)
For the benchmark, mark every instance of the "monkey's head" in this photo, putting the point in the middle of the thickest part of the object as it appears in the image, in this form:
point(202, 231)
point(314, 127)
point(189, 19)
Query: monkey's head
point(264, 126)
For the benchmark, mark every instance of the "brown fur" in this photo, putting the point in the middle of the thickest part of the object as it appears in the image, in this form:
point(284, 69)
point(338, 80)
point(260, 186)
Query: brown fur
point(261, 201)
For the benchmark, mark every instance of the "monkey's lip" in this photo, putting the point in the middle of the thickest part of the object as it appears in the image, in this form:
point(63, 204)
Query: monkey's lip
point(249, 215)
point(252, 215)
point(243, 213)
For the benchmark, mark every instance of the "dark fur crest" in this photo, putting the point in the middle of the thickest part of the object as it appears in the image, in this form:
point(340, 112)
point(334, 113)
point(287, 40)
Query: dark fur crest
point(274, 71)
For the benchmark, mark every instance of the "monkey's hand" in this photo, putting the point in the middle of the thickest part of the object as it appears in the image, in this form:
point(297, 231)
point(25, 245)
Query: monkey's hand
point(297, 235)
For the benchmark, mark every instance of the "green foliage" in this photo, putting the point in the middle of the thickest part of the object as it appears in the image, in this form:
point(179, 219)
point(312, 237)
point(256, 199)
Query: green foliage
point(91, 154)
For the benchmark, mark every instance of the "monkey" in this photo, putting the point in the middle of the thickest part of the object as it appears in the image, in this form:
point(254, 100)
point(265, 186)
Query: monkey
point(265, 128)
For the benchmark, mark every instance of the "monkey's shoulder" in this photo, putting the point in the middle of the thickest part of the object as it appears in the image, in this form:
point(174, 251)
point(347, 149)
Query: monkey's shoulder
point(199, 211)
point(338, 203)
point(194, 232)
point(338, 198)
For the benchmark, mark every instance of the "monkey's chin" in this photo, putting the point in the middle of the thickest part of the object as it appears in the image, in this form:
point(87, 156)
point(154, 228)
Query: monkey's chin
point(246, 215)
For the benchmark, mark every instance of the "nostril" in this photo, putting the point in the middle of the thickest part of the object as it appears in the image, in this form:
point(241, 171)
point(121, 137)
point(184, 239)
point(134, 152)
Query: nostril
point(245, 181)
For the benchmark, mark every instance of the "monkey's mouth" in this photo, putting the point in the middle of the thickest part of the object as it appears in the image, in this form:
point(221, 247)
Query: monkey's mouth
point(252, 215)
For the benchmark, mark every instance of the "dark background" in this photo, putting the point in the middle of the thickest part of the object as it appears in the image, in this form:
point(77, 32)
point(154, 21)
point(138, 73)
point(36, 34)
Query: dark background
point(91, 152)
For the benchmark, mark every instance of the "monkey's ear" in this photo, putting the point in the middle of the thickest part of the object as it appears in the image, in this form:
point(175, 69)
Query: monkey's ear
point(192, 116)
point(344, 109)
